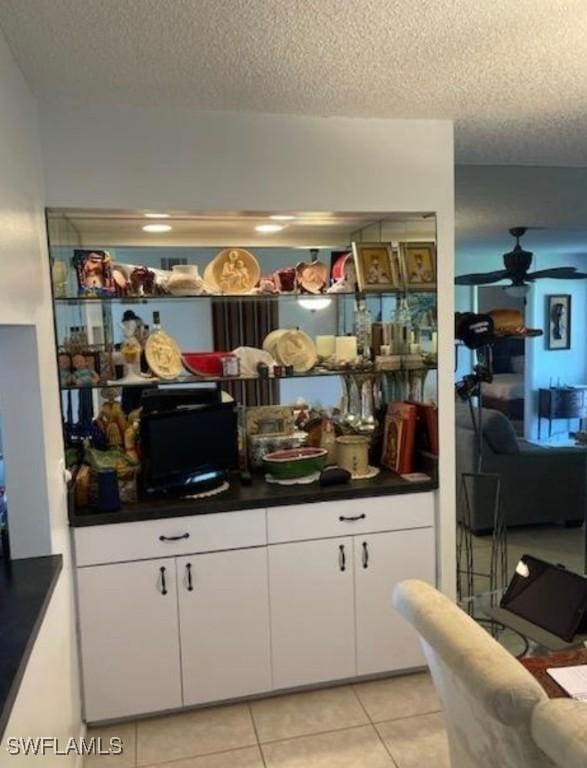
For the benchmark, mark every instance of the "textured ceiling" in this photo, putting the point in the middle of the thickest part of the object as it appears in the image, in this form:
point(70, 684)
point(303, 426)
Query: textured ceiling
point(511, 73)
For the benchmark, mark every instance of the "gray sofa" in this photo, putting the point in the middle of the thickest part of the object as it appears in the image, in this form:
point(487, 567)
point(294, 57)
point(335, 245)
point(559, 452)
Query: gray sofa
point(538, 484)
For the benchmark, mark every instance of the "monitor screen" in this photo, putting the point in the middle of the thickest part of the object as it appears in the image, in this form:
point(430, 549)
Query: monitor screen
point(548, 596)
point(178, 442)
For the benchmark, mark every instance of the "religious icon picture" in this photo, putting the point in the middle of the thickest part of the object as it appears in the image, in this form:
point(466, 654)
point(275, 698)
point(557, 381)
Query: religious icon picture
point(419, 266)
point(558, 321)
point(377, 267)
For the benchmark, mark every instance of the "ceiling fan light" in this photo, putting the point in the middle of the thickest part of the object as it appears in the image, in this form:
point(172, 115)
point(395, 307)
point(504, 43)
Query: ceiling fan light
point(517, 291)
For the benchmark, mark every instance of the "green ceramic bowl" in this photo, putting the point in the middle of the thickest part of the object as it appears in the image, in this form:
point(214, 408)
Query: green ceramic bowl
point(295, 462)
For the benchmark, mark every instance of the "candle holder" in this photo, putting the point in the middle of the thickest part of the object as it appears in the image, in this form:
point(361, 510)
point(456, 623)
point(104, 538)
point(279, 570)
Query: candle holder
point(351, 407)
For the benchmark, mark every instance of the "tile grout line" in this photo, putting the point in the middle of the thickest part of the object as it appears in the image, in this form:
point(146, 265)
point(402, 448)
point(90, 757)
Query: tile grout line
point(407, 717)
point(315, 733)
point(259, 745)
point(374, 727)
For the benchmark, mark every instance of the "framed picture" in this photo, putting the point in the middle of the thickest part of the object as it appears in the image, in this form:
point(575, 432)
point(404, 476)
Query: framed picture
point(558, 321)
point(419, 266)
point(377, 267)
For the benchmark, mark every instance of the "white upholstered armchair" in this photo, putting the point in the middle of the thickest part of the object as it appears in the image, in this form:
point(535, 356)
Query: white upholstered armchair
point(559, 727)
point(487, 696)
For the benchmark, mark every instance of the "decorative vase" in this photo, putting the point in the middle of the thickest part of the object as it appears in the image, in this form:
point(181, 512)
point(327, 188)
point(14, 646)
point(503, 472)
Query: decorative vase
point(185, 280)
point(59, 277)
point(352, 454)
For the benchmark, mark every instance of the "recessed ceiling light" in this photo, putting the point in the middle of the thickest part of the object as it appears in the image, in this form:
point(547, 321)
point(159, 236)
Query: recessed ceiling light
point(156, 215)
point(156, 228)
point(267, 229)
point(282, 217)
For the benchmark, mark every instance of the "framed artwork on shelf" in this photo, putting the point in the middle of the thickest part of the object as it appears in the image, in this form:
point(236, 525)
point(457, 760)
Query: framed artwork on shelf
point(377, 267)
point(419, 266)
point(558, 321)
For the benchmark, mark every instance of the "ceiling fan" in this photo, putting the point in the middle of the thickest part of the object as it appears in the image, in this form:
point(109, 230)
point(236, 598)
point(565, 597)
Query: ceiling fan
point(517, 262)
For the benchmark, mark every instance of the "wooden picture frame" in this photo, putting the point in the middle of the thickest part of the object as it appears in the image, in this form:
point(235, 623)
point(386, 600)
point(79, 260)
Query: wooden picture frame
point(271, 420)
point(377, 267)
point(418, 262)
point(558, 321)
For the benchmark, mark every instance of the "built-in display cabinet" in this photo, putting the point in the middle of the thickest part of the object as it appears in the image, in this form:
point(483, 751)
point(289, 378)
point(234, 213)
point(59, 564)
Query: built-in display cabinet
point(266, 585)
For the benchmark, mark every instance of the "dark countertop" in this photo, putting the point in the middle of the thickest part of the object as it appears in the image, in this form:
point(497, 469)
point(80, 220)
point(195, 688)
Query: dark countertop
point(26, 587)
point(258, 494)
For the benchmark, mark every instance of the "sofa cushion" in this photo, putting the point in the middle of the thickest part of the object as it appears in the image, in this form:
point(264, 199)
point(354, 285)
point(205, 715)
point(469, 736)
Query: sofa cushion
point(499, 433)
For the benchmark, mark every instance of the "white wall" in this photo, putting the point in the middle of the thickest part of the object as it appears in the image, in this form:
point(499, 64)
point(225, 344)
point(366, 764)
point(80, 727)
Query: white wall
point(165, 159)
point(25, 301)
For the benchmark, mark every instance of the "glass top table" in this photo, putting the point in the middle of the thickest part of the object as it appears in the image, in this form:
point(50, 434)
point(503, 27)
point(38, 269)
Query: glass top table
point(518, 636)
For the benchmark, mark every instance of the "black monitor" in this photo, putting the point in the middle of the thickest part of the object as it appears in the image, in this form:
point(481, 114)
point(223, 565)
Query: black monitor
point(185, 443)
point(549, 596)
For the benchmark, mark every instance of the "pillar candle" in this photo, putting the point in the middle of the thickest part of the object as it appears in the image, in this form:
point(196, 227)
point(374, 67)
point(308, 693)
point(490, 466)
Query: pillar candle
point(325, 345)
point(346, 347)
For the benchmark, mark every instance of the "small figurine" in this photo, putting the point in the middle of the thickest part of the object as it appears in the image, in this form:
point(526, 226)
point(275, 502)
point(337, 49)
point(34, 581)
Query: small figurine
point(267, 285)
point(131, 436)
point(142, 282)
point(130, 349)
point(65, 377)
point(84, 374)
point(111, 419)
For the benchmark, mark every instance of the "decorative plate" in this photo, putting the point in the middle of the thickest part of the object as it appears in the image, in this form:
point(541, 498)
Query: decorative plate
point(312, 277)
point(163, 356)
point(296, 348)
point(233, 270)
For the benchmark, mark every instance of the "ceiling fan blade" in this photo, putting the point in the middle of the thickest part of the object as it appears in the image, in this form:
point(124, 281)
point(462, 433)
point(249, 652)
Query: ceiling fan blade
point(557, 273)
point(481, 278)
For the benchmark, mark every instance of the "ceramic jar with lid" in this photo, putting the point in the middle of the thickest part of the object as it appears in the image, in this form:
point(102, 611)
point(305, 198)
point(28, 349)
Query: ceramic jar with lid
point(185, 280)
point(352, 454)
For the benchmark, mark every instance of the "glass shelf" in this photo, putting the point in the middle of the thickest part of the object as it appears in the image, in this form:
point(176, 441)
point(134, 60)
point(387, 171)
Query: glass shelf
point(76, 300)
point(188, 379)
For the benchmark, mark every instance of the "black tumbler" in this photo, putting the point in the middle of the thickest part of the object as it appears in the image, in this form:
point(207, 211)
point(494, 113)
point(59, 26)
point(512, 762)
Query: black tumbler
point(108, 495)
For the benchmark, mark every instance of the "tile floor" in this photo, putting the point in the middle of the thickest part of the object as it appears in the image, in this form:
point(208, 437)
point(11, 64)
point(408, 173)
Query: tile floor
point(555, 544)
point(393, 723)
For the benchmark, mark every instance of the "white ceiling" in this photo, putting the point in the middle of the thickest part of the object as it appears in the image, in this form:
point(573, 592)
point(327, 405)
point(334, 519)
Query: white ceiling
point(512, 73)
point(489, 200)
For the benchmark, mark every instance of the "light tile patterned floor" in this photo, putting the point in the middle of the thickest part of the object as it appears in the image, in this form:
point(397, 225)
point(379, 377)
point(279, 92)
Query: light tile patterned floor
point(393, 723)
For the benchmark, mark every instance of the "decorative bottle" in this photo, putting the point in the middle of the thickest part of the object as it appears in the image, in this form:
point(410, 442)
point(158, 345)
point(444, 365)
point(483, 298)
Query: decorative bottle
point(362, 328)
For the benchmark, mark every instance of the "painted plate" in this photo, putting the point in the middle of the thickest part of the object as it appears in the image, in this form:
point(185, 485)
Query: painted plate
point(163, 356)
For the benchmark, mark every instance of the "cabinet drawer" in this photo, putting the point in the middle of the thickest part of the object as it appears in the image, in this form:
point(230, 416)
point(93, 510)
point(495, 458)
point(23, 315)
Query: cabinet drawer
point(352, 516)
point(182, 536)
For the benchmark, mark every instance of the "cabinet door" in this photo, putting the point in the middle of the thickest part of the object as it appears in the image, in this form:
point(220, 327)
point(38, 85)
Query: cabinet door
point(385, 641)
point(312, 611)
point(224, 624)
point(129, 638)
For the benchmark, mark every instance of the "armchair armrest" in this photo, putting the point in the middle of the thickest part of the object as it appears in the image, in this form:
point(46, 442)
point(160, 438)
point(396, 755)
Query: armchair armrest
point(559, 728)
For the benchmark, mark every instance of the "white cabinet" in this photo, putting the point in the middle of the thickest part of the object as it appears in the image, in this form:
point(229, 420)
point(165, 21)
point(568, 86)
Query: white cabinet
point(129, 638)
point(222, 621)
point(312, 611)
point(224, 624)
point(385, 641)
